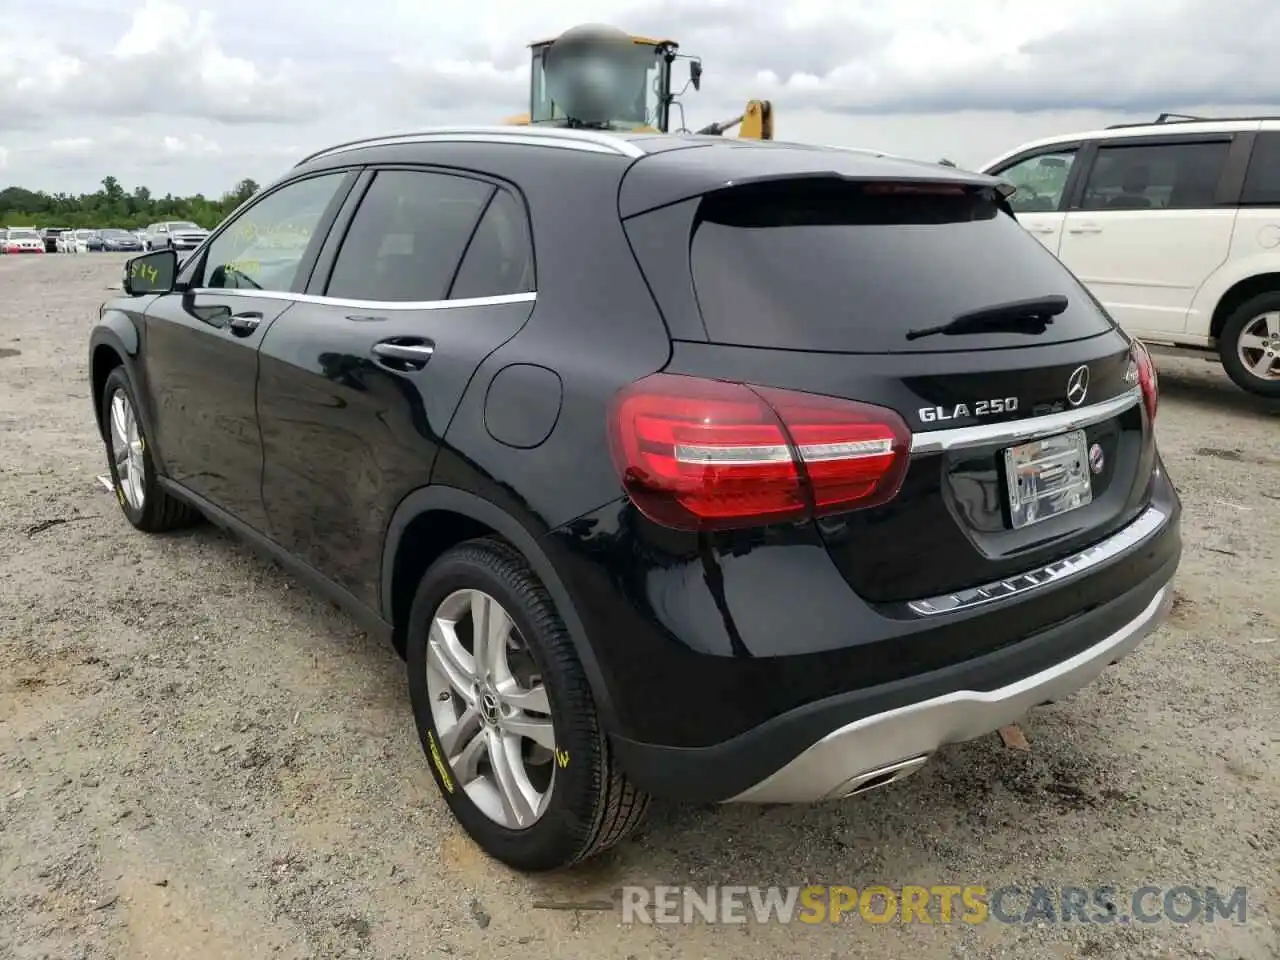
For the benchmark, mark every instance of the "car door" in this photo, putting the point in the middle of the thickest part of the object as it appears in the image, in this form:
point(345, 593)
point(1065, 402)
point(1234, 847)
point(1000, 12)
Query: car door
point(202, 342)
point(1149, 227)
point(1041, 177)
point(358, 382)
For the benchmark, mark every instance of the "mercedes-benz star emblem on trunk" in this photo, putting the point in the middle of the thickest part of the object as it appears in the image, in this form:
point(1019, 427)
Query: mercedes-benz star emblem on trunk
point(1078, 386)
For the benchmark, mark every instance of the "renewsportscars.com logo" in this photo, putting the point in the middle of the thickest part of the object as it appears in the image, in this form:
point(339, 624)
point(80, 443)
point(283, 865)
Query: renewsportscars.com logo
point(938, 904)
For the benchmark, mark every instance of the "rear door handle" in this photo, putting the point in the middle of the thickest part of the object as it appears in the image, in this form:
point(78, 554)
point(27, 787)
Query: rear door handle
point(243, 324)
point(1041, 229)
point(1086, 228)
point(402, 355)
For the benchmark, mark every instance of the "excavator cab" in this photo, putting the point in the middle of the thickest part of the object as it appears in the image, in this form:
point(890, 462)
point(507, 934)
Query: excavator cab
point(619, 81)
point(641, 67)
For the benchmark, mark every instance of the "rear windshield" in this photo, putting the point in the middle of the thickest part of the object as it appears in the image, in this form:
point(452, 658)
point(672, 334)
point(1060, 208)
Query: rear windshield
point(853, 267)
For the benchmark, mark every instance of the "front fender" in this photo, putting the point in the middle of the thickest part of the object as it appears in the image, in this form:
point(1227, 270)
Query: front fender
point(117, 331)
point(438, 497)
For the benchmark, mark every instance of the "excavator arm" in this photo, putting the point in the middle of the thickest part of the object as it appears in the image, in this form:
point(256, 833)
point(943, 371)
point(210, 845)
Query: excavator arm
point(755, 123)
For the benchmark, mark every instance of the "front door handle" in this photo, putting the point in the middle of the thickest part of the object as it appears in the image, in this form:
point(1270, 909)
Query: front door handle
point(1087, 228)
point(404, 354)
point(1041, 229)
point(243, 324)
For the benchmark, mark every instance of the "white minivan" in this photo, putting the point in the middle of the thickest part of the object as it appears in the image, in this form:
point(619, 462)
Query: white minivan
point(1173, 225)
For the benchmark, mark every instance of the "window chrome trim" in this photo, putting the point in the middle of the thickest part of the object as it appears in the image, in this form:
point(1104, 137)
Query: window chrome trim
point(589, 141)
point(1018, 431)
point(1147, 523)
point(368, 304)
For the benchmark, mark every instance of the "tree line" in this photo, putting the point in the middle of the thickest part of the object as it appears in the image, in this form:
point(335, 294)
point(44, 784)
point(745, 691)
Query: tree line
point(113, 206)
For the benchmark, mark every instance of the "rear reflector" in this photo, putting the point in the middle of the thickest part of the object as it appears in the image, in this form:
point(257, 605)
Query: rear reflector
point(701, 454)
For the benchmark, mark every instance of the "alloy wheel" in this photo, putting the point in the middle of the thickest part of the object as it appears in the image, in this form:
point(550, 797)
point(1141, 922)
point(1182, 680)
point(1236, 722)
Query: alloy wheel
point(1258, 346)
point(490, 709)
point(126, 449)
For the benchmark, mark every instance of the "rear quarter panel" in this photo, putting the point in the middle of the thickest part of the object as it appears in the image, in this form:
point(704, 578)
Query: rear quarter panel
point(1255, 250)
point(594, 325)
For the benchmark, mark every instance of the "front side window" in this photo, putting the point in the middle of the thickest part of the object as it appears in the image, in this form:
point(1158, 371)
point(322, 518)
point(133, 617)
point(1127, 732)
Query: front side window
point(1162, 176)
point(1041, 181)
point(408, 236)
point(639, 78)
point(262, 248)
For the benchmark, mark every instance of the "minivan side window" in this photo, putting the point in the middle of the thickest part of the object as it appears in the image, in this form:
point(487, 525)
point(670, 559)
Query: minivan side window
point(408, 236)
point(262, 248)
point(1160, 176)
point(1262, 182)
point(1040, 180)
point(499, 259)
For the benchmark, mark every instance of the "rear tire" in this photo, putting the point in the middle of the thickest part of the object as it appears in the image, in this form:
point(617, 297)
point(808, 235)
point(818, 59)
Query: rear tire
point(1251, 331)
point(582, 803)
point(144, 502)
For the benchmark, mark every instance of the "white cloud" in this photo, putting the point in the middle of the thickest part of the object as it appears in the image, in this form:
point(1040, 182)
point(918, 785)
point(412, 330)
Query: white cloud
point(189, 95)
point(71, 145)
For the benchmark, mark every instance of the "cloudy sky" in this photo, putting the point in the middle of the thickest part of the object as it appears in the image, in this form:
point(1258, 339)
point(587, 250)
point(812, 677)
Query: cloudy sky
point(192, 95)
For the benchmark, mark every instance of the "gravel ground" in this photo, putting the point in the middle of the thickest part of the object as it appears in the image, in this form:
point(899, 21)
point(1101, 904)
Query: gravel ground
point(198, 758)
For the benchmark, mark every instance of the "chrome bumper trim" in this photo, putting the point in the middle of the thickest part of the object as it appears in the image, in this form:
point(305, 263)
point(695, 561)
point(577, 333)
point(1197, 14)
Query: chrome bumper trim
point(1019, 431)
point(1147, 523)
point(848, 758)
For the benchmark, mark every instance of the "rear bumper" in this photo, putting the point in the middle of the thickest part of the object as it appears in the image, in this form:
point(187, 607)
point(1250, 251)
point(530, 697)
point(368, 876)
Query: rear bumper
point(840, 744)
point(886, 746)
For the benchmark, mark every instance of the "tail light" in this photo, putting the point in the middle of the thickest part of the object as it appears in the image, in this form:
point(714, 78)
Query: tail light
point(701, 454)
point(1148, 379)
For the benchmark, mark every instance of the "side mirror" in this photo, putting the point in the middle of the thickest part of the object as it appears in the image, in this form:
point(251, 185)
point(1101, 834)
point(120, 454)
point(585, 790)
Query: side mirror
point(151, 273)
point(695, 74)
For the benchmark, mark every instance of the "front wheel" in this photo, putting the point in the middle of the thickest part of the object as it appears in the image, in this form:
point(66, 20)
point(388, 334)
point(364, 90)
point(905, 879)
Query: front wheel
point(145, 503)
point(1249, 345)
point(506, 716)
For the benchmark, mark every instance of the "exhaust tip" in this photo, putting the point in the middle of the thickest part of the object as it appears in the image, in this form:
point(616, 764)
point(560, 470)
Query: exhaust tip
point(874, 779)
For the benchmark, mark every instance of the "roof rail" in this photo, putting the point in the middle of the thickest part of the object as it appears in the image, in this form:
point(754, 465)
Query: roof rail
point(592, 141)
point(1167, 118)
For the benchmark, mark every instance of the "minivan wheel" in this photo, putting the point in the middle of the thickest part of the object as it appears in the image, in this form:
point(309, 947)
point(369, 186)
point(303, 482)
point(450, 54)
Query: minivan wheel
point(506, 716)
point(133, 475)
point(1249, 345)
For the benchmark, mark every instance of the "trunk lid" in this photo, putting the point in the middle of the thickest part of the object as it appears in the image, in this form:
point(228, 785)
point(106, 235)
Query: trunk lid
point(814, 286)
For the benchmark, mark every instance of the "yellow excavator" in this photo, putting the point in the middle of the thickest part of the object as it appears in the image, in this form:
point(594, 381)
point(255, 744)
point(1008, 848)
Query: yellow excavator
point(598, 76)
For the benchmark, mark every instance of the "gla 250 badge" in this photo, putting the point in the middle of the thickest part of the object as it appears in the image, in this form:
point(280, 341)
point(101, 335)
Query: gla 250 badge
point(961, 411)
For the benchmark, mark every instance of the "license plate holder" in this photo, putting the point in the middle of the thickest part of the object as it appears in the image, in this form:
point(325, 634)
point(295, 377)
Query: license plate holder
point(1048, 477)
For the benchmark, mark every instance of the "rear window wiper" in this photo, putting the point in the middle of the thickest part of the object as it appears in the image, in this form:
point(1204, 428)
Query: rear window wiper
point(1017, 316)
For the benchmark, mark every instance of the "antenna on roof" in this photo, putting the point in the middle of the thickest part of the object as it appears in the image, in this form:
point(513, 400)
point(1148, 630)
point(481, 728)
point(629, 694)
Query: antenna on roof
point(1175, 117)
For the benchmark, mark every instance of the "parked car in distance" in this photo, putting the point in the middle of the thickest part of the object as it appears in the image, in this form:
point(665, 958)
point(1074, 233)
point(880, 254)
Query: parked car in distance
point(823, 464)
point(23, 240)
point(86, 241)
point(144, 237)
point(50, 236)
point(1173, 225)
point(115, 240)
point(177, 235)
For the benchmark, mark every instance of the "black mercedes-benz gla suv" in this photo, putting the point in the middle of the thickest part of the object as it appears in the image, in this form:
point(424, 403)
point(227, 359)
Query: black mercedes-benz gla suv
point(673, 466)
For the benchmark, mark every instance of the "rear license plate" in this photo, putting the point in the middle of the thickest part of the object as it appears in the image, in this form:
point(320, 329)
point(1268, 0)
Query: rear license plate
point(1048, 477)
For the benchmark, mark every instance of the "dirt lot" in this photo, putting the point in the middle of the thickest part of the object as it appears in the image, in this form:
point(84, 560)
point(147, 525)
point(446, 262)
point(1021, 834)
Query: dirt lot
point(200, 759)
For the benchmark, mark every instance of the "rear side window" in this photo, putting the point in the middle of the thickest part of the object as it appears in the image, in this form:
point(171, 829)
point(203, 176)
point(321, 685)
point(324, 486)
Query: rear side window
point(1162, 176)
point(499, 259)
point(408, 236)
point(1262, 182)
point(848, 267)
